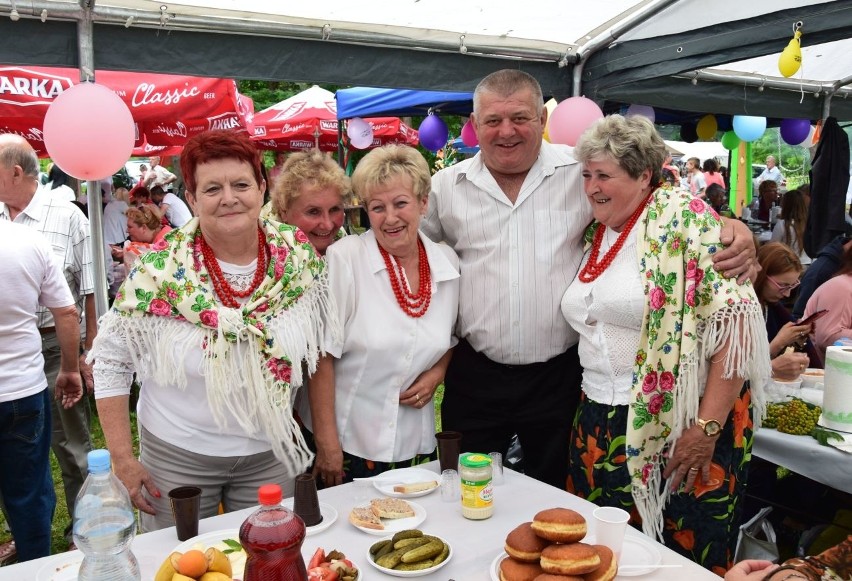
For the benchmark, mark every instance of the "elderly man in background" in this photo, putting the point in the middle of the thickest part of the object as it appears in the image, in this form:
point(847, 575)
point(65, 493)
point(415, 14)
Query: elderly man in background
point(24, 201)
point(515, 214)
point(157, 175)
point(771, 172)
point(31, 277)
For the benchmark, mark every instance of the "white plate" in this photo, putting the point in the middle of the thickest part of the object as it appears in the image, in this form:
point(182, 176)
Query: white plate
point(214, 539)
point(62, 568)
point(420, 573)
point(636, 552)
point(328, 512)
point(394, 525)
point(405, 476)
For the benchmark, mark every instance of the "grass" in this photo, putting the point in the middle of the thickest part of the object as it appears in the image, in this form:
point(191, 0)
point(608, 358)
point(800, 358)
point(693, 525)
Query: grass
point(61, 519)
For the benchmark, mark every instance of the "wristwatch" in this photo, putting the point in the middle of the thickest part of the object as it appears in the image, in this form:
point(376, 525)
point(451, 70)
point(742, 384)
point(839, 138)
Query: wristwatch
point(711, 428)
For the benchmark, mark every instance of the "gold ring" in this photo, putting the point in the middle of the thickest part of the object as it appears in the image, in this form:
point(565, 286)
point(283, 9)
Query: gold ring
point(417, 396)
point(693, 469)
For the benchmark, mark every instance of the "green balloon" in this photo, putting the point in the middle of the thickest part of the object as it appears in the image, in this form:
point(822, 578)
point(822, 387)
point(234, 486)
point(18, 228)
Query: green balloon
point(730, 140)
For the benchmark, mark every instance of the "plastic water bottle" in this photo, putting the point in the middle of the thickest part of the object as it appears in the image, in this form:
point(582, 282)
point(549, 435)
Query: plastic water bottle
point(104, 525)
point(843, 342)
point(272, 537)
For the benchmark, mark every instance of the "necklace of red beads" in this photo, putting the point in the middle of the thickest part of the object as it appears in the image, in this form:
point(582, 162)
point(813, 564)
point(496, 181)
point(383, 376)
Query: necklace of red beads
point(594, 267)
point(226, 293)
point(413, 304)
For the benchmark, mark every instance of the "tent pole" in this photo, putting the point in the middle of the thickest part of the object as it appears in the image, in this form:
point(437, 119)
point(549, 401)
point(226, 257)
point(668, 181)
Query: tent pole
point(85, 49)
point(829, 95)
point(610, 35)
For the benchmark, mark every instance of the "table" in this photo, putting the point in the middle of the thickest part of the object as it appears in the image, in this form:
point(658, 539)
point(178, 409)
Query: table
point(804, 455)
point(475, 544)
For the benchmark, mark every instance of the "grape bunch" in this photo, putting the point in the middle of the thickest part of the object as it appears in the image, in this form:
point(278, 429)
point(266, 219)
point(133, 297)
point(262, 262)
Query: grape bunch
point(796, 417)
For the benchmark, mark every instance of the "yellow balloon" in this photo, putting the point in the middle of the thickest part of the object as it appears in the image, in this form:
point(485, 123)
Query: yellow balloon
point(550, 106)
point(791, 57)
point(706, 128)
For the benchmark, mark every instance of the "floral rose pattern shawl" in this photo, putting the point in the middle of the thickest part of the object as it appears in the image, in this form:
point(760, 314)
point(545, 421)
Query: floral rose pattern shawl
point(251, 355)
point(690, 313)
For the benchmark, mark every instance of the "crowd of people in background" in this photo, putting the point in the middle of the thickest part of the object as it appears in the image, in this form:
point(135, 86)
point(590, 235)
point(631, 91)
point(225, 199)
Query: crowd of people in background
point(335, 334)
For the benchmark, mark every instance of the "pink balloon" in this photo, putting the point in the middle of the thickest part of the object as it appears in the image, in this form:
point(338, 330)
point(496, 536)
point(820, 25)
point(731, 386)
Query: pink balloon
point(571, 118)
point(89, 132)
point(468, 135)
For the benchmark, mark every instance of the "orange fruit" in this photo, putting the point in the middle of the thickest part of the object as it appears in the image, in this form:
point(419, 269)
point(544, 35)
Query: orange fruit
point(192, 564)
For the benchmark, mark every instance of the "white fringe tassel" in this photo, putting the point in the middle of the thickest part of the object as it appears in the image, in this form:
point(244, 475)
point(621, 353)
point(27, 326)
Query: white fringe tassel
point(237, 378)
point(742, 328)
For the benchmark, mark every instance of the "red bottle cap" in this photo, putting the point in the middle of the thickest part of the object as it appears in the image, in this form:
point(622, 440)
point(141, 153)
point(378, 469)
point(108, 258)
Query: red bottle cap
point(269, 494)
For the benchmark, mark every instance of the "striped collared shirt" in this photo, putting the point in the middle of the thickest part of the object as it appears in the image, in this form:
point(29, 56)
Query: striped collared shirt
point(67, 230)
point(516, 261)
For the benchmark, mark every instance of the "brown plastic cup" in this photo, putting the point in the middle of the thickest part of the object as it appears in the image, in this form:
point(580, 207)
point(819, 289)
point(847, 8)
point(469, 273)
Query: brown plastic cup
point(186, 504)
point(449, 446)
point(305, 501)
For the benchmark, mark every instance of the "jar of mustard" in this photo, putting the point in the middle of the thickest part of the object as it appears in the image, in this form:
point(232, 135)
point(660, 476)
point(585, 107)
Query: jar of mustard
point(476, 487)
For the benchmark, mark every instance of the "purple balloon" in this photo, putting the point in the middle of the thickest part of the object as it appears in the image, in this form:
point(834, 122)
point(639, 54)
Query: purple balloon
point(433, 133)
point(795, 131)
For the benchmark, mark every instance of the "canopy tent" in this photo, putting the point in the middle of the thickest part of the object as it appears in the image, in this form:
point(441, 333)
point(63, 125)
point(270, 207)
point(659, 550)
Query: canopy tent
point(368, 101)
point(167, 109)
point(309, 119)
point(642, 51)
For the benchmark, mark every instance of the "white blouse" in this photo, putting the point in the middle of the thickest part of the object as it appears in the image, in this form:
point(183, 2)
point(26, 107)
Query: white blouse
point(607, 313)
point(181, 417)
point(384, 350)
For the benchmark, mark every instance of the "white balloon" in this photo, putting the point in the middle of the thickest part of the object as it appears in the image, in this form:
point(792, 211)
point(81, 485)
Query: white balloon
point(359, 130)
point(361, 141)
point(641, 110)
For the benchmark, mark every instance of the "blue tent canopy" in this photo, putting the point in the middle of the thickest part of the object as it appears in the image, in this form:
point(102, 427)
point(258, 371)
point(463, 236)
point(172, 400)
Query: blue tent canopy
point(372, 102)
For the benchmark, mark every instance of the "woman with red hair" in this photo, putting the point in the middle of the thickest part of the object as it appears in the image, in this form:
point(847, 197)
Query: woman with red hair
point(216, 321)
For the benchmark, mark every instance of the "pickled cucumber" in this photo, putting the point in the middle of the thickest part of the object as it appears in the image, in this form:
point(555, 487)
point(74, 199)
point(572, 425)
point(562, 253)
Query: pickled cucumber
point(442, 556)
point(376, 547)
point(407, 534)
point(427, 551)
point(418, 566)
point(411, 543)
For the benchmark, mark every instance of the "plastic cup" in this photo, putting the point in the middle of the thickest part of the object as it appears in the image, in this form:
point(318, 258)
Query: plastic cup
point(450, 486)
point(496, 468)
point(449, 446)
point(186, 504)
point(610, 524)
point(305, 500)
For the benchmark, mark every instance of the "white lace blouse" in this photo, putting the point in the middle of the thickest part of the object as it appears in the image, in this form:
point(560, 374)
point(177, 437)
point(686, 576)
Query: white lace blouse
point(607, 313)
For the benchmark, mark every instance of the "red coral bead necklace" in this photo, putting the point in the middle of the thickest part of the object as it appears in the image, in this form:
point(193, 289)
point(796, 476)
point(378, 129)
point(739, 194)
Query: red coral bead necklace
point(413, 304)
point(226, 293)
point(594, 268)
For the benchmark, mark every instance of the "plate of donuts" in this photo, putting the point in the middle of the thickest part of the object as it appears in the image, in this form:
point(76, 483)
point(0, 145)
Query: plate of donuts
point(639, 556)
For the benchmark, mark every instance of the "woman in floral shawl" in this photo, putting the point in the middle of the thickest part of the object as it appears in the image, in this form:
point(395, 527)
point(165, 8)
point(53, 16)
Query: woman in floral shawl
point(664, 424)
point(216, 322)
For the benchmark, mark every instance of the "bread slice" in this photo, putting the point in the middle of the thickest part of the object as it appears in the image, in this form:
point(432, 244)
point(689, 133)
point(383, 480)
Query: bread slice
point(391, 508)
point(365, 518)
point(415, 487)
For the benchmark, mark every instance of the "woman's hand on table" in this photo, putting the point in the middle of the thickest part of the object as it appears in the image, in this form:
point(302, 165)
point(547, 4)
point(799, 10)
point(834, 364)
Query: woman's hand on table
point(750, 570)
point(789, 365)
point(328, 465)
point(134, 477)
point(691, 459)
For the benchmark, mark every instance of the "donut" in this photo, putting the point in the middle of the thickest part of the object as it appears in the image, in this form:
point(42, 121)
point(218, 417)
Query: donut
point(608, 568)
point(561, 525)
point(512, 570)
point(550, 577)
point(522, 544)
point(573, 559)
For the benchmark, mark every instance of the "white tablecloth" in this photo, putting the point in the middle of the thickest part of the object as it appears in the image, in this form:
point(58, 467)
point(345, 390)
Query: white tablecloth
point(804, 455)
point(475, 544)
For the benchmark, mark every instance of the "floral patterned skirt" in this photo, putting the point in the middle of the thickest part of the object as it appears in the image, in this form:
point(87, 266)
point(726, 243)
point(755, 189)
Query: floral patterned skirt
point(357, 467)
point(701, 524)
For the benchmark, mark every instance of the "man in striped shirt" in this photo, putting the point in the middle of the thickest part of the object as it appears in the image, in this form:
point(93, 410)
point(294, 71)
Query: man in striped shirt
point(515, 213)
point(25, 201)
